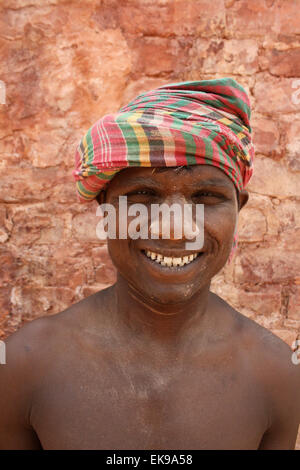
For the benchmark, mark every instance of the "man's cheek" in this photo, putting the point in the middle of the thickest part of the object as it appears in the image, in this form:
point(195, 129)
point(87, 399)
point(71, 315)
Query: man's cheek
point(220, 226)
point(122, 256)
point(118, 252)
point(219, 237)
point(128, 227)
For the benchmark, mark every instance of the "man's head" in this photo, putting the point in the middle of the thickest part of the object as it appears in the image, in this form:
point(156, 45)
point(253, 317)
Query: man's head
point(201, 127)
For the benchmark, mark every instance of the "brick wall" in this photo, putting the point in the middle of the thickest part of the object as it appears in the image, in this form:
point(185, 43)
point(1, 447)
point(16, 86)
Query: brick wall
point(65, 64)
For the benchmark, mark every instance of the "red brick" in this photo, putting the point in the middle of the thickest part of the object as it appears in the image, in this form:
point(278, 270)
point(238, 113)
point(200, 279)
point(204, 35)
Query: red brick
point(250, 19)
point(284, 63)
point(252, 225)
point(5, 308)
point(273, 95)
point(261, 265)
point(84, 227)
point(34, 224)
point(31, 302)
point(273, 178)
point(266, 136)
point(266, 17)
point(165, 18)
point(293, 145)
point(226, 56)
point(287, 15)
point(30, 184)
point(9, 266)
point(294, 303)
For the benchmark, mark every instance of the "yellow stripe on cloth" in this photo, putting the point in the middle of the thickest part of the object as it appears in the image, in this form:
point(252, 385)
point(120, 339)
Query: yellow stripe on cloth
point(225, 121)
point(141, 138)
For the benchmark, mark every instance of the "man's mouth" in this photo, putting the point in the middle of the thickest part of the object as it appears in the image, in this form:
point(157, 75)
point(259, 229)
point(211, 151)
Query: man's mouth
point(171, 261)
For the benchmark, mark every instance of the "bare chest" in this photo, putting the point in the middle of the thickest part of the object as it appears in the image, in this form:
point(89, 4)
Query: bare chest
point(121, 406)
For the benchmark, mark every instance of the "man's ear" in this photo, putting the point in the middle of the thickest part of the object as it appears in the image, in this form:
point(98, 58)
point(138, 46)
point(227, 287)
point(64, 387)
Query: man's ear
point(101, 197)
point(243, 197)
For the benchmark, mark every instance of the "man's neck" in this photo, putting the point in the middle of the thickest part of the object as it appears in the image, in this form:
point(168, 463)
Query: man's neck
point(165, 325)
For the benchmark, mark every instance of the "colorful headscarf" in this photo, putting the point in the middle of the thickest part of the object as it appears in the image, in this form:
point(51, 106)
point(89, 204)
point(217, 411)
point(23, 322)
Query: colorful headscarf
point(189, 123)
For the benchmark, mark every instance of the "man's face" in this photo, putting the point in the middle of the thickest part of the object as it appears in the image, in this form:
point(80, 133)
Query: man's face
point(199, 184)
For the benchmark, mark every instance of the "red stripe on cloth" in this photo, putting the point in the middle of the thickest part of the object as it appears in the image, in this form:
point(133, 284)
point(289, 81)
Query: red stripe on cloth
point(118, 144)
point(97, 143)
point(93, 183)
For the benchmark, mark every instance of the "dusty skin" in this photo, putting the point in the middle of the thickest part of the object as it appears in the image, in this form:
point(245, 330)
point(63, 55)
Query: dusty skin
point(156, 361)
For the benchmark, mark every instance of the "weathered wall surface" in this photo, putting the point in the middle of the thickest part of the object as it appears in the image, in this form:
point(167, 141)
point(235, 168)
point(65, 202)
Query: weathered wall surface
point(66, 63)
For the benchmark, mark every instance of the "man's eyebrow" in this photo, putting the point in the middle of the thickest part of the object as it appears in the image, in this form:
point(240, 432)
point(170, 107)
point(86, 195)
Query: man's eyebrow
point(212, 182)
point(152, 181)
point(142, 180)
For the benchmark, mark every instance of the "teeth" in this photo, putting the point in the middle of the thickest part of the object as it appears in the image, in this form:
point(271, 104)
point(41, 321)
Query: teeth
point(169, 261)
point(176, 261)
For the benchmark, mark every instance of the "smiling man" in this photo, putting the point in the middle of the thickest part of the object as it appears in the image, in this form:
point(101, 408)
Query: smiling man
point(157, 361)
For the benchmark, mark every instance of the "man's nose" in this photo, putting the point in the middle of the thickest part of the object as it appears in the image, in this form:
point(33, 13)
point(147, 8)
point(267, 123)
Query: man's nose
point(181, 223)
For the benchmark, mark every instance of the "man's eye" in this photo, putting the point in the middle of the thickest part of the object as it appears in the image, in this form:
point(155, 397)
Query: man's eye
point(144, 192)
point(205, 193)
point(208, 196)
point(141, 192)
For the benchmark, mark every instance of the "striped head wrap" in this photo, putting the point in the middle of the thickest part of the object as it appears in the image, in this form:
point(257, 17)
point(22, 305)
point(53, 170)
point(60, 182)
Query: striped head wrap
point(189, 123)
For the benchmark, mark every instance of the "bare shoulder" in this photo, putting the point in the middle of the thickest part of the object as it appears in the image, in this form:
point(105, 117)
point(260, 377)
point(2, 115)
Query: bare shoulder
point(274, 369)
point(270, 355)
point(44, 347)
point(271, 361)
point(36, 354)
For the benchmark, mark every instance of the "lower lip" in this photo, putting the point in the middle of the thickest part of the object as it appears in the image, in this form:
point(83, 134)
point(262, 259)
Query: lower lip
point(172, 269)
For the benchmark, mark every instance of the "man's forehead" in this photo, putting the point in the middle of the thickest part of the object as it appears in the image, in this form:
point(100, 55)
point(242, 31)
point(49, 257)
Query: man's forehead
point(193, 174)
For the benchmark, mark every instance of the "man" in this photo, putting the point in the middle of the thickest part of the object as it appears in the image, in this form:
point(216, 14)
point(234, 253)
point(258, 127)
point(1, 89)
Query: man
point(157, 361)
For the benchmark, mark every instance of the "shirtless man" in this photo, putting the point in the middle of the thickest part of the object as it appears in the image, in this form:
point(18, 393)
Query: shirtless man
point(156, 361)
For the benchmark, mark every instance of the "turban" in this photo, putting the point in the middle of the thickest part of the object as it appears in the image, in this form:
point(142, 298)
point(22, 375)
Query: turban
point(188, 123)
